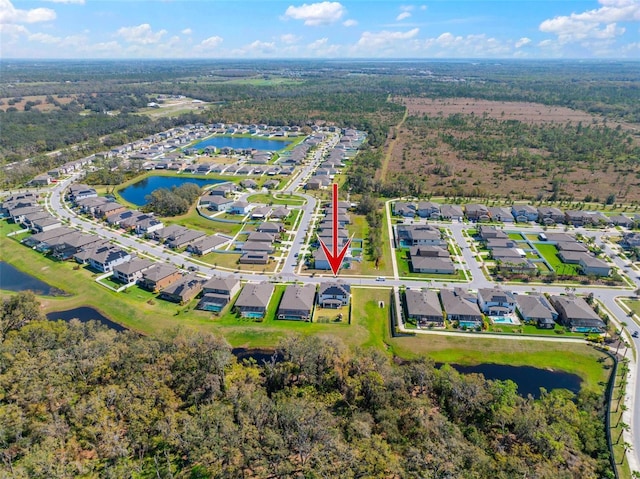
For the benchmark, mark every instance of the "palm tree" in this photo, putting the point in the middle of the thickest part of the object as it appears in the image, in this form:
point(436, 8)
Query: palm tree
point(626, 447)
point(623, 427)
point(623, 408)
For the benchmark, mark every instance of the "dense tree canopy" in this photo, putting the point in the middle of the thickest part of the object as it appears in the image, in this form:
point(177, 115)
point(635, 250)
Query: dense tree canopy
point(172, 202)
point(81, 400)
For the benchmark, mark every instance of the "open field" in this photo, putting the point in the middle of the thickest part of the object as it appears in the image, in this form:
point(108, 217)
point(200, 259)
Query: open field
point(43, 105)
point(575, 358)
point(533, 113)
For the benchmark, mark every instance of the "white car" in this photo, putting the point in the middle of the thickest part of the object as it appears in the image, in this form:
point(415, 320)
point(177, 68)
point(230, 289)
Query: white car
point(380, 278)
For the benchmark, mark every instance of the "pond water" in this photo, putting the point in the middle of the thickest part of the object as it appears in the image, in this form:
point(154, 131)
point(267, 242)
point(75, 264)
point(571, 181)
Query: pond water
point(137, 192)
point(242, 143)
point(12, 279)
point(528, 378)
point(84, 314)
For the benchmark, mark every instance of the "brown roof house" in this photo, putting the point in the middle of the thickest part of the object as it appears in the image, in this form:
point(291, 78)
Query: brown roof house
point(159, 276)
point(183, 290)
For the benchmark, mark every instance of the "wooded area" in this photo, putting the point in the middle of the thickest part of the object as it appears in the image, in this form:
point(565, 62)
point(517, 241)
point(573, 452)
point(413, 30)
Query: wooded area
point(81, 400)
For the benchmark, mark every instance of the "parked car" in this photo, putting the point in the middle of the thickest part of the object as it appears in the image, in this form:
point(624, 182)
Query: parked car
point(380, 278)
point(635, 334)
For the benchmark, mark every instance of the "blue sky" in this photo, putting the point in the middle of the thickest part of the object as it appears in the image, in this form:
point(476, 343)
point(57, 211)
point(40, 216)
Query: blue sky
point(329, 29)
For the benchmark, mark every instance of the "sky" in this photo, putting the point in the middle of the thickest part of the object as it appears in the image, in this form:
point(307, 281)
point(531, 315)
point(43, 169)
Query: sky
point(250, 29)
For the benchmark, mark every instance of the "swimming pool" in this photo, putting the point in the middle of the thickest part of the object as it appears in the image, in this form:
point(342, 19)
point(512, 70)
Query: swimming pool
point(504, 320)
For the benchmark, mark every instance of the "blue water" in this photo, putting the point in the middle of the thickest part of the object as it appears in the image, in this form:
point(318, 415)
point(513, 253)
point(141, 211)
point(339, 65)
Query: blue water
point(84, 314)
point(242, 143)
point(137, 192)
point(12, 279)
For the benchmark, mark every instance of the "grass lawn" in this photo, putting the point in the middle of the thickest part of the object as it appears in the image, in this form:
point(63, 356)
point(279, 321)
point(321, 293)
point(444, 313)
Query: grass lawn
point(195, 221)
point(276, 200)
point(580, 359)
point(634, 305)
point(404, 269)
point(515, 236)
point(550, 253)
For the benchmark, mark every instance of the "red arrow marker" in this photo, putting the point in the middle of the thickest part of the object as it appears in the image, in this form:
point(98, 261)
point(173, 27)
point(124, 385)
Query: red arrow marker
point(335, 258)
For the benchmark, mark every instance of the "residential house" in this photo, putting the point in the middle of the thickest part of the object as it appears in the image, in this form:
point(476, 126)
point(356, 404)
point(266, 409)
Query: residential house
point(428, 209)
point(524, 213)
point(271, 228)
point(222, 189)
point(79, 192)
point(185, 239)
point(217, 203)
point(459, 305)
point(297, 302)
point(590, 265)
point(491, 232)
point(159, 276)
point(183, 290)
point(168, 233)
point(253, 300)
point(334, 294)
point(260, 213)
point(47, 223)
point(477, 212)
point(535, 308)
point(549, 215)
point(67, 246)
point(501, 213)
point(41, 180)
point(576, 314)
point(451, 212)
point(431, 259)
point(207, 244)
point(424, 307)
point(419, 235)
point(630, 240)
point(107, 259)
point(249, 183)
point(254, 257)
point(402, 208)
point(621, 220)
point(108, 209)
point(496, 301)
point(34, 240)
point(280, 212)
point(131, 271)
point(239, 208)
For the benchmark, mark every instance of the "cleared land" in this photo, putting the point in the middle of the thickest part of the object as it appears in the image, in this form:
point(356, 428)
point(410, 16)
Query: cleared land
point(466, 147)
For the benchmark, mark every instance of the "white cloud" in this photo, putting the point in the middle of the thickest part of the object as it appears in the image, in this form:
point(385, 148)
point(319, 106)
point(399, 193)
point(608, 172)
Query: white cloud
point(314, 14)
point(187, 31)
point(10, 14)
point(423, 7)
point(350, 23)
point(384, 39)
point(289, 38)
point(44, 38)
point(598, 23)
point(78, 2)
point(211, 42)
point(522, 42)
point(402, 16)
point(320, 43)
point(141, 34)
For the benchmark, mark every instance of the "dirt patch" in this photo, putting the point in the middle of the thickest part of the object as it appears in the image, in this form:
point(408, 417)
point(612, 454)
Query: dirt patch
point(41, 103)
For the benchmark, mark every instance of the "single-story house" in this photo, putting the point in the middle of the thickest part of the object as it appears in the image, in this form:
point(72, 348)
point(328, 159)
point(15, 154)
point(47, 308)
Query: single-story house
point(207, 244)
point(297, 302)
point(537, 309)
point(575, 313)
point(216, 203)
point(239, 208)
point(451, 212)
point(253, 300)
point(254, 257)
point(460, 305)
point(424, 307)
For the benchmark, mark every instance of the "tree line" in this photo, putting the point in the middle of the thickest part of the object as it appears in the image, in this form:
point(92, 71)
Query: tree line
point(81, 400)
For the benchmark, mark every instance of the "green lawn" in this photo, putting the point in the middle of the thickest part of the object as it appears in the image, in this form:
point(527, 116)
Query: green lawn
point(550, 253)
point(404, 269)
point(515, 236)
point(275, 199)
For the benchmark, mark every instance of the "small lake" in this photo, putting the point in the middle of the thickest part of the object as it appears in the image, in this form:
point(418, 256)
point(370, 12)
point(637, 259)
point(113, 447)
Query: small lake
point(137, 192)
point(12, 279)
point(85, 314)
point(528, 378)
point(242, 143)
